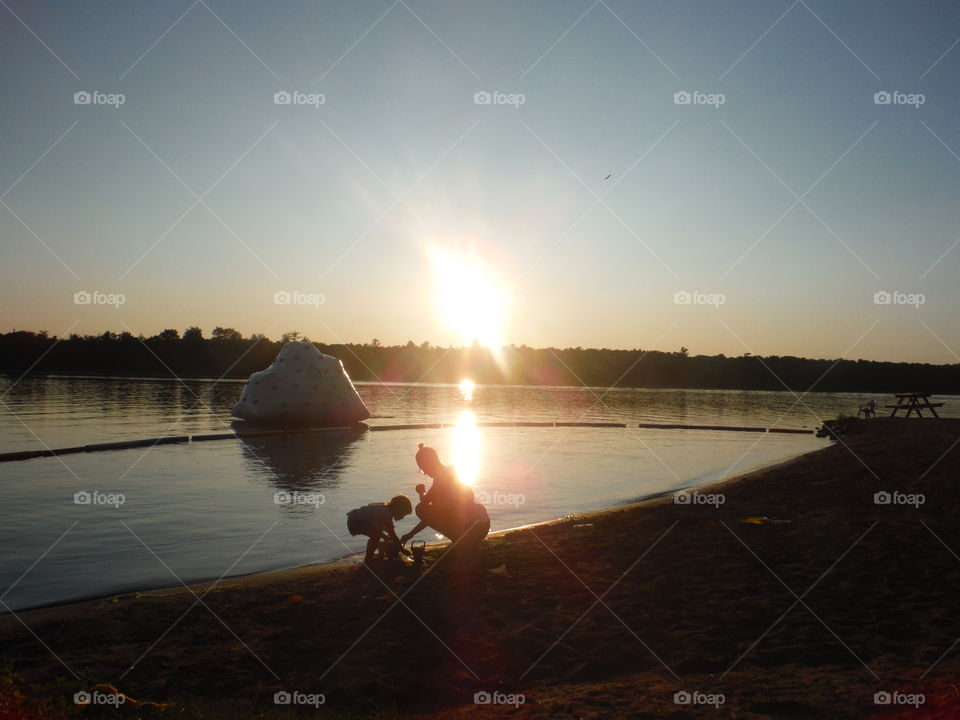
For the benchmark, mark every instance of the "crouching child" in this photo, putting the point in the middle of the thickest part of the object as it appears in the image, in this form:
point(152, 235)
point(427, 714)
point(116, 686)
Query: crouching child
point(376, 522)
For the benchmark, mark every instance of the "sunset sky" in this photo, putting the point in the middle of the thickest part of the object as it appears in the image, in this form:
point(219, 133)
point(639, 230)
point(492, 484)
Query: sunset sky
point(417, 213)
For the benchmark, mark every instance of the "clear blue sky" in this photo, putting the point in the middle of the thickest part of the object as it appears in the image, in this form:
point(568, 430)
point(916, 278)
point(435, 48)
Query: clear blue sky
point(343, 199)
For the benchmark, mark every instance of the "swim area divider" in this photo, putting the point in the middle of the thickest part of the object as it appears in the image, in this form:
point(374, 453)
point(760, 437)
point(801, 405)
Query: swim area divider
point(178, 439)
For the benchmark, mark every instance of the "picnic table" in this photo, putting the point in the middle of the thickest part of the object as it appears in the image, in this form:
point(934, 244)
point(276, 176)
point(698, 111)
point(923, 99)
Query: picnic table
point(914, 402)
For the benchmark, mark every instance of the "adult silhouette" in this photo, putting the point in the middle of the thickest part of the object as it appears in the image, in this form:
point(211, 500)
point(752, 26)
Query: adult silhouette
point(449, 506)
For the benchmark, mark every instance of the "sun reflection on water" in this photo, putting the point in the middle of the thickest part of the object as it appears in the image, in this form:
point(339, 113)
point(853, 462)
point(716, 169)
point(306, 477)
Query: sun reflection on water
point(466, 448)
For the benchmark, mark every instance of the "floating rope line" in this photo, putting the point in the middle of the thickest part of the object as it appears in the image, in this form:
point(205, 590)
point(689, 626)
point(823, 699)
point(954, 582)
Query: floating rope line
point(179, 439)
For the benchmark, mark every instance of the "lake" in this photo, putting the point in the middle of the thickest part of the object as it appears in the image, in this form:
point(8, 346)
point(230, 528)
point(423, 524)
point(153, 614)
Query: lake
point(199, 511)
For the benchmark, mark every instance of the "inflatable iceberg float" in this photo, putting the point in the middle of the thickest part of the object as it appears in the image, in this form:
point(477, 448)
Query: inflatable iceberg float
point(302, 387)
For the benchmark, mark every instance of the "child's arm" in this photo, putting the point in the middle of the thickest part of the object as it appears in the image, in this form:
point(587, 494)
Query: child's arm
point(420, 526)
point(391, 534)
point(388, 531)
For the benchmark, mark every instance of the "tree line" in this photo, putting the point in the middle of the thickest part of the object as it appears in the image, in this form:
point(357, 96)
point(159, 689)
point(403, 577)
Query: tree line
point(227, 354)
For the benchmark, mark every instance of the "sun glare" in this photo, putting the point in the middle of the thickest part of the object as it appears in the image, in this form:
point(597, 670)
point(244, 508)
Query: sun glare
point(466, 389)
point(466, 448)
point(470, 301)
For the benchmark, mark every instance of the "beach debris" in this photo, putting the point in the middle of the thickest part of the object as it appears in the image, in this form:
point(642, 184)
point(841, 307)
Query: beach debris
point(583, 525)
point(763, 520)
point(295, 599)
point(834, 429)
point(114, 599)
point(502, 570)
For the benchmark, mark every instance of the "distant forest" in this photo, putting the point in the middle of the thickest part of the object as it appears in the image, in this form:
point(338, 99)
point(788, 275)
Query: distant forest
point(228, 354)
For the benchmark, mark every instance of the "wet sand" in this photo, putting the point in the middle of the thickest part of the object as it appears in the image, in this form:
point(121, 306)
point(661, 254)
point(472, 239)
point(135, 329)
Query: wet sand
point(796, 597)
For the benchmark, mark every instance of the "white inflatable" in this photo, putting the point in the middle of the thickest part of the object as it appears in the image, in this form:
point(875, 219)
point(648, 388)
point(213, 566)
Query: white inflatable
point(302, 387)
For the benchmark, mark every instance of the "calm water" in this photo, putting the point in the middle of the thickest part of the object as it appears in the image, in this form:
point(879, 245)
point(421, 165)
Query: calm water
point(198, 511)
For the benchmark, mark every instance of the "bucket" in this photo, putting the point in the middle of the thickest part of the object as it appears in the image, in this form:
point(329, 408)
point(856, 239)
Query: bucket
point(418, 548)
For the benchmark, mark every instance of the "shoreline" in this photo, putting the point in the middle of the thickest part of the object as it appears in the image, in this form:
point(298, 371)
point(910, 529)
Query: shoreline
point(257, 578)
point(802, 595)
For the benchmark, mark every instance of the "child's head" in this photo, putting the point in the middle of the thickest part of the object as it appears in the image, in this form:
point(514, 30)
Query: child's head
point(400, 506)
point(428, 460)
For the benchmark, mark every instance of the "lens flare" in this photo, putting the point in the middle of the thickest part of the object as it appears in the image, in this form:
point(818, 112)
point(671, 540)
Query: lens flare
point(466, 448)
point(466, 389)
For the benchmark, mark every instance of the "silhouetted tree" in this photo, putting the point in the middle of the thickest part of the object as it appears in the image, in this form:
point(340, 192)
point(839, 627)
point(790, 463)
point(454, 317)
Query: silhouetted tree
point(192, 334)
point(222, 333)
point(231, 354)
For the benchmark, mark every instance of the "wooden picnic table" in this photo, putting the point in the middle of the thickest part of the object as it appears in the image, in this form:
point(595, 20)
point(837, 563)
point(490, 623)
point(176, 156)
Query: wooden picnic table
point(914, 402)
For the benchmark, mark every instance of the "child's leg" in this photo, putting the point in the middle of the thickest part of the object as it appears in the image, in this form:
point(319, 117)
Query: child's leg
point(371, 549)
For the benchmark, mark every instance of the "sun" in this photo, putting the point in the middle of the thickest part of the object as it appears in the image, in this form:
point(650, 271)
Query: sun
point(470, 301)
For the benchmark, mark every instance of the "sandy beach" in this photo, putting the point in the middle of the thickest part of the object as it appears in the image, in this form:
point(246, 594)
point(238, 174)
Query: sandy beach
point(791, 592)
